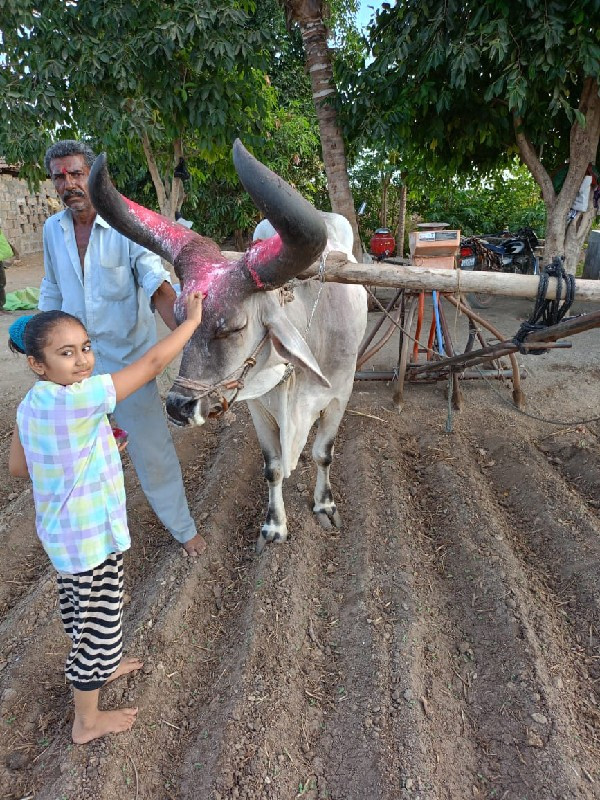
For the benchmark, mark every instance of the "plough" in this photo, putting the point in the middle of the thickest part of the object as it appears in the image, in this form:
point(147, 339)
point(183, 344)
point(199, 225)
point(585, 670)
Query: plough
point(450, 285)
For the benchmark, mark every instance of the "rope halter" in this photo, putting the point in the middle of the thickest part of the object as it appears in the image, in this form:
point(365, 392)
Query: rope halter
point(230, 382)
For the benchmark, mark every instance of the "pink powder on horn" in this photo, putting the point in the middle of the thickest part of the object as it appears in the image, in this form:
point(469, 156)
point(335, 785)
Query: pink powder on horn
point(261, 252)
point(171, 235)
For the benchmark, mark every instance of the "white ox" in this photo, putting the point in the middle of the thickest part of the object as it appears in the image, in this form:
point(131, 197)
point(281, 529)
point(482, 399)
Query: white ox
point(291, 358)
point(284, 415)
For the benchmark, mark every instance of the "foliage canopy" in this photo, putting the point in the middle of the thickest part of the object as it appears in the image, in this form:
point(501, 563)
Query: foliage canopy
point(456, 76)
point(115, 68)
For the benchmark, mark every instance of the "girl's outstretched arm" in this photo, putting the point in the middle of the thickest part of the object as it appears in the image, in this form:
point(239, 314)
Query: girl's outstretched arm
point(131, 378)
point(17, 465)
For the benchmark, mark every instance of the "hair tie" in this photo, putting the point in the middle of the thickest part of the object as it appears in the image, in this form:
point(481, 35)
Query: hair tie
point(17, 330)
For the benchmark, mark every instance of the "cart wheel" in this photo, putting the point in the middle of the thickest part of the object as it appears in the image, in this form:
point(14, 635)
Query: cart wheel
point(480, 300)
point(405, 348)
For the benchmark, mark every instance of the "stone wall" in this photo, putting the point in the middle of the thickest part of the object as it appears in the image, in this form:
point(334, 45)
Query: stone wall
point(22, 214)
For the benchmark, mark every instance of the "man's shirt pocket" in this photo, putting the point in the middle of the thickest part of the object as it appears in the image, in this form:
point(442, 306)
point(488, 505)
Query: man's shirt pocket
point(116, 281)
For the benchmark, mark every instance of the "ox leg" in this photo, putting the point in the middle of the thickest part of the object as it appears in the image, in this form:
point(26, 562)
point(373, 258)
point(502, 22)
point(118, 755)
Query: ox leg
point(324, 506)
point(274, 528)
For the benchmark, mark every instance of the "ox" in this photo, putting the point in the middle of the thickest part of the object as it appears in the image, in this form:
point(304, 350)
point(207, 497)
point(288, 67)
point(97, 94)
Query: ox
point(293, 362)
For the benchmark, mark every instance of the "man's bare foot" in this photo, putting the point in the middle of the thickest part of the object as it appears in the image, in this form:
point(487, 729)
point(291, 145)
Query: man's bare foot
point(196, 546)
point(126, 665)
point(103, 722)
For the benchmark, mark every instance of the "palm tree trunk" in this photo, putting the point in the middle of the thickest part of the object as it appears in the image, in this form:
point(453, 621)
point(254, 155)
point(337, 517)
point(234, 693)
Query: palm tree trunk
point(383, 213)
point(309, 16)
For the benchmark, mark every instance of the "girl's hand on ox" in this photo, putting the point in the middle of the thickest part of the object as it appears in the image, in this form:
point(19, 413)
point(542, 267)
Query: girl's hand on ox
point(152, 363)
point(194, 306)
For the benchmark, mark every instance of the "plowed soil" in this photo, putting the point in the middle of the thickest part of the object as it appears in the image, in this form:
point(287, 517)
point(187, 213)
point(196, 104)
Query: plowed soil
point(445, 643)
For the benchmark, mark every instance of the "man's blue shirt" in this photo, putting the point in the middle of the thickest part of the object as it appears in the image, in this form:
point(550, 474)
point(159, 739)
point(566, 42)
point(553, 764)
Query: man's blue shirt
point(113, 301)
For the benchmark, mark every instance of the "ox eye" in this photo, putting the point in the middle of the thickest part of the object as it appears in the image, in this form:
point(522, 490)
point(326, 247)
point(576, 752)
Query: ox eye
point(223, 333)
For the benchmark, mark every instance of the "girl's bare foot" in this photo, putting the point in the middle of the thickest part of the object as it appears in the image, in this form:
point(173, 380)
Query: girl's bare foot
point(101, 723)
point(195, 546)
point(126, 665)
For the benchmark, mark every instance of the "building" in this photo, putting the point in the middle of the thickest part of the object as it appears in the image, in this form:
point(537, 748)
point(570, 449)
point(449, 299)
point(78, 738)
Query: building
point(22, 214)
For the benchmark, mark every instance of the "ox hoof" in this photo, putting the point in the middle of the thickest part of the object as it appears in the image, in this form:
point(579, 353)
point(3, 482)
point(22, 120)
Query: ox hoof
point(328, 518)
point(268, 536)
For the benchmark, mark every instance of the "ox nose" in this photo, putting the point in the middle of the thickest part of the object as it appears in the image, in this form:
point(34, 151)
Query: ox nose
point(183, 410)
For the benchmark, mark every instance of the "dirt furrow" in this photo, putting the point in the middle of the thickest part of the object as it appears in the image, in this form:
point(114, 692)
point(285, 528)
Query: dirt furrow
point(508, 667)
point(358, 750)
point(559, 545)
point(400, 611)
point(272, 721)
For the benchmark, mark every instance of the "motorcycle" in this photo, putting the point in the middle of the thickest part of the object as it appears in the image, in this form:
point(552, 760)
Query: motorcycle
point(503, 252)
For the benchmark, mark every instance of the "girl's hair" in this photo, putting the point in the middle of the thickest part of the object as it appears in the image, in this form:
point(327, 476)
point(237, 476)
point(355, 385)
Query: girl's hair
point(29, 335)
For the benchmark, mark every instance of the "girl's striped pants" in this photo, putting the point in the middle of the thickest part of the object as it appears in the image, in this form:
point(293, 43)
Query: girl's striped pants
point(91, 608)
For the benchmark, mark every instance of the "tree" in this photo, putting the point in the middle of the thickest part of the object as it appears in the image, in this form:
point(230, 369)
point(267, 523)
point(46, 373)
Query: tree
point(155, 75)
point(378, 182)
point(311, 17)
point(472, 83)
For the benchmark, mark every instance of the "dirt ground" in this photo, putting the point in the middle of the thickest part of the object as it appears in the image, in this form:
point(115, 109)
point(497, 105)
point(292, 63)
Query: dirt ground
point(445, 644)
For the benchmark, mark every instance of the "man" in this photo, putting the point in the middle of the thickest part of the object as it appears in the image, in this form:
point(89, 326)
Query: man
point(112, 285)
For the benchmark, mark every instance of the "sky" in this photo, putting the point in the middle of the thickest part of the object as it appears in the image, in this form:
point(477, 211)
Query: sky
point(366, 10)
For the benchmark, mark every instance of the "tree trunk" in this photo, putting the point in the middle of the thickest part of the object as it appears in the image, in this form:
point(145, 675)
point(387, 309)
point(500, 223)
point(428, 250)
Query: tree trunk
point(238, 238)
point(169, 195)
point(383, 212)
point(577, 233)
point(400, 230)
point(562, 238)
point(309, 16)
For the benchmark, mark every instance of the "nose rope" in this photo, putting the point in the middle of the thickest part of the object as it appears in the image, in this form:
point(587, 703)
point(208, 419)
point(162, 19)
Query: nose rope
point(215, 390)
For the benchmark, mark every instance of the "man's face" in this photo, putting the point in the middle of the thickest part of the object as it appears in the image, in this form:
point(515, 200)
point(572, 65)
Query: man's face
point(70, 178)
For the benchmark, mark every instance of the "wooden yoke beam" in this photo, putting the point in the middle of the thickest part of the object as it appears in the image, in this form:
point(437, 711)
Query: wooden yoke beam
point(453, 281)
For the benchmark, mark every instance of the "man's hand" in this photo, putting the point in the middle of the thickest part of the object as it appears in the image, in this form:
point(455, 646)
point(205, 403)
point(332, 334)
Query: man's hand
point(164, 301)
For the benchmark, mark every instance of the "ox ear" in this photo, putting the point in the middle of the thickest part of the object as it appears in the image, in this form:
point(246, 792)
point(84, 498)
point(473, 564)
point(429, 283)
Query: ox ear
point(290, 345)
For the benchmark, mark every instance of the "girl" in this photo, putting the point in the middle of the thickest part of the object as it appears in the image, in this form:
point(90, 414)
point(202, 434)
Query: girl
point(64, 442)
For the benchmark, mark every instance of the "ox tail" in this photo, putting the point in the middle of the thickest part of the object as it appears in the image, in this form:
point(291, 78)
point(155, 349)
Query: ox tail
point(302, 232)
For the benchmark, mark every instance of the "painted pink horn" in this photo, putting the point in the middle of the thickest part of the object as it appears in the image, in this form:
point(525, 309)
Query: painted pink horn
point(151, 230)
point(302, 232)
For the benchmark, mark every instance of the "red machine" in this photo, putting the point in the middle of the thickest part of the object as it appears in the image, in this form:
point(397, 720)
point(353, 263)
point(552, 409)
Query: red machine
point(382, 244)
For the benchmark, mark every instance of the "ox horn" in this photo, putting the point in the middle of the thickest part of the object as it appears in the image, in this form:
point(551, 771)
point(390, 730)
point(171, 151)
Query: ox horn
point(151, 230)
point(302, 231)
